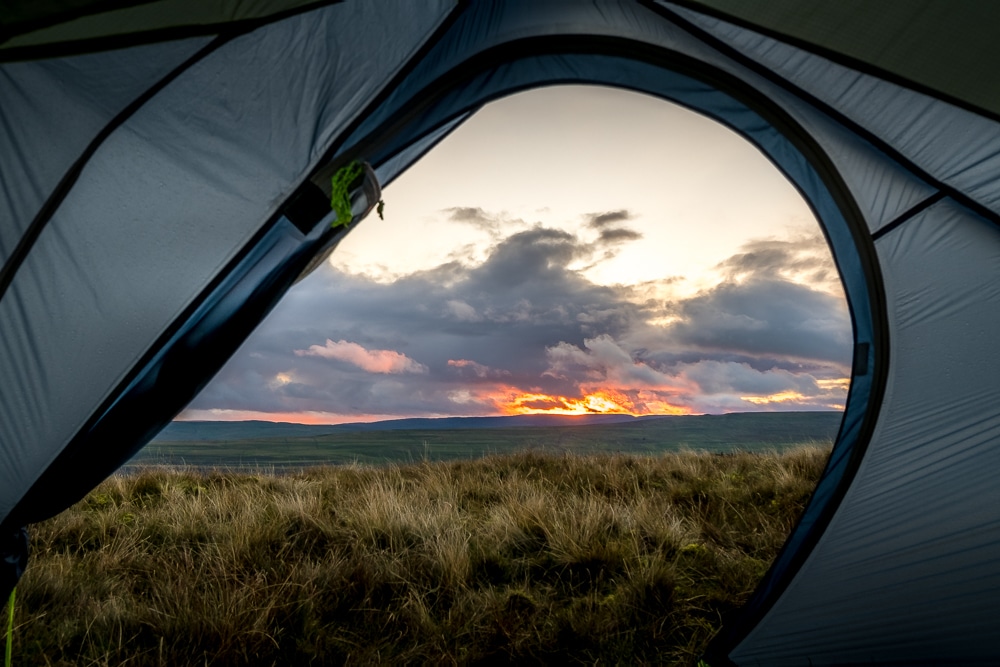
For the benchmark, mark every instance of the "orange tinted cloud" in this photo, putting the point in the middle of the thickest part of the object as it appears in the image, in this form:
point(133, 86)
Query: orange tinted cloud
point(373, 361)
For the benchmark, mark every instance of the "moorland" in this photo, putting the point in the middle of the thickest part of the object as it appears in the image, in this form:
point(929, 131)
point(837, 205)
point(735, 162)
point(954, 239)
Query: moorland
point(533, 556)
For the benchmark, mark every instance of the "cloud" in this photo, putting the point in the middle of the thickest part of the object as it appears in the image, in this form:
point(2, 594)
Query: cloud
point(618, 235)
point(472, 214)
point(493, 223)
point(477, 369)
point(729, 386)
point(727, 377)
point(460, 310)
point(599, 220)
point(525, 329)
point(705, 385)
point(372, 361)
point(604, 361)
point(764, 316)
point(529, 255)
point(804, 258)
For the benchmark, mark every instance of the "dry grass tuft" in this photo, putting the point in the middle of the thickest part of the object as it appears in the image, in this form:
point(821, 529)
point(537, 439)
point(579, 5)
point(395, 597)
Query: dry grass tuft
point(515, 559)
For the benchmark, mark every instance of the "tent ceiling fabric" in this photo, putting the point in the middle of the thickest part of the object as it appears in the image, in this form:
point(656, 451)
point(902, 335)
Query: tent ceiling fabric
point(82, 95)
point(918, 528)
point(30, 26)
point(943, 46)
point(930, 134)
point(173, 194)
point(157, 196)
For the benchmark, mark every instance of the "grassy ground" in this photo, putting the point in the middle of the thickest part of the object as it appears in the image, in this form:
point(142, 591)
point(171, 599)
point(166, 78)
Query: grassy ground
point(522, 559)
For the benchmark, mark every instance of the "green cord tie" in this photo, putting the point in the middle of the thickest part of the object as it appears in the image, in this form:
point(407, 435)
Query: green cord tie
point(340, 194)
point(10, 628)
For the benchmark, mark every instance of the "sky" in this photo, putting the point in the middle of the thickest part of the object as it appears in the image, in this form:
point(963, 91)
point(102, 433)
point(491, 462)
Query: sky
point(568, 250)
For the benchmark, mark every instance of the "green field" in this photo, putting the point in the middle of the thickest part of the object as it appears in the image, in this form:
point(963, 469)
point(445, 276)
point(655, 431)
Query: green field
point(710, 433)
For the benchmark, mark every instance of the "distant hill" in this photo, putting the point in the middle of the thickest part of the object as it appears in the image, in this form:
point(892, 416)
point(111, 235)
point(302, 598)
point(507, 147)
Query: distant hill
point(250, 444)
point(186, 431)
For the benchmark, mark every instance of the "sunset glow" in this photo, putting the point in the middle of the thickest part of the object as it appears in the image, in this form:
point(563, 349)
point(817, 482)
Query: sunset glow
point(602, 401)
point(780, 397)
point(840, 384)
point(786, 399)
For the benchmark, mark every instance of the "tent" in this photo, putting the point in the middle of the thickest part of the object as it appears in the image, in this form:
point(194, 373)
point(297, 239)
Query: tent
point(164, 178)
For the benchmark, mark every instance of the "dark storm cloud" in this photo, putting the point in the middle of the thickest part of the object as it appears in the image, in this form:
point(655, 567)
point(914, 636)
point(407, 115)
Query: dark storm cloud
point(717, 377)
point(764, 316)
point(768, 306)
point(499, 315)
point(455, 339)
point(598, 220)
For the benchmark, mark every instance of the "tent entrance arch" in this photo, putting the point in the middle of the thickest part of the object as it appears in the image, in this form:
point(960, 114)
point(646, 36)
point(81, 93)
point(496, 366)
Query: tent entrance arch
point(900, 168)
point(400, 140)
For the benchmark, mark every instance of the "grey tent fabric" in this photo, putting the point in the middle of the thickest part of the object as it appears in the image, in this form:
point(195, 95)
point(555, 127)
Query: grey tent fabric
point(133, 18)
point(161, 184)
point(390, 169)
point(168, 199)
point(53, 108)
point(957, 147)
point(915, 41)
point(917, 538)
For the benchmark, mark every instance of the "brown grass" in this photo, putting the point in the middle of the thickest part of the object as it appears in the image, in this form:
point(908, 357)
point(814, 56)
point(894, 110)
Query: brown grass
point(522, 559)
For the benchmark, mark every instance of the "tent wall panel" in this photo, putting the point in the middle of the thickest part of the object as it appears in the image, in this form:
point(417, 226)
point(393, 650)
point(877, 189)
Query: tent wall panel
point(922, 519)
point(52, 109)
point(881, 187)
point(905, 41)
point(866, 170)
point(390, 169)
point(477, 33)
point(952, 145)
point(137, 17)
point(883, 190)
point(163, 205)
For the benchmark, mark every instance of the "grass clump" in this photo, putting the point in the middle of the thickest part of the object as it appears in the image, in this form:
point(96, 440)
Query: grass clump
point(524, 559)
